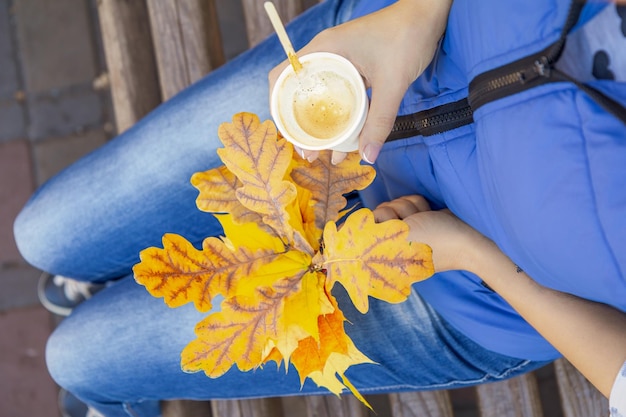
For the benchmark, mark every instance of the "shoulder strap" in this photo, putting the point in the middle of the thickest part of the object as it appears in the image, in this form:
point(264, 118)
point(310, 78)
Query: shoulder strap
point(535, 70)
point(523, 74)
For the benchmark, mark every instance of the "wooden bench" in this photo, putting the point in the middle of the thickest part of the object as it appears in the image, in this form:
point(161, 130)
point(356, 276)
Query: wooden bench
point(148, 66)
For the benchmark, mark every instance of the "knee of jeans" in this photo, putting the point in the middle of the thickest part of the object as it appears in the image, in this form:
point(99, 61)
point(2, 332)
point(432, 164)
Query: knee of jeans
point(25, 234)
point(65, 359)
point(29, 232)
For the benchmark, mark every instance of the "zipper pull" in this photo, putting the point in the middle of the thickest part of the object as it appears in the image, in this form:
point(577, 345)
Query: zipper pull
point(540, 68)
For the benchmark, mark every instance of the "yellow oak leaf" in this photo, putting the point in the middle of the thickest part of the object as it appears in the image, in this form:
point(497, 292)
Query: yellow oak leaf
point(260, 161)
point(302, 309)
point(217, 194)
point(181, 274)
point(281, 275)
point(217, 191)
point(252, 235)
point(373, 259)
point(328, 183)
point(235, 335)
point(280, 257)
point(239, 333)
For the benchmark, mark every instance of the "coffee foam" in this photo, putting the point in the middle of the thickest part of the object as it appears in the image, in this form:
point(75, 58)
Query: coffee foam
point(322, 105)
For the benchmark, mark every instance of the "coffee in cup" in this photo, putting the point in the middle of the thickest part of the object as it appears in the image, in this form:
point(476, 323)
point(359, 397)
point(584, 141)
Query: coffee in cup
point(323, 105)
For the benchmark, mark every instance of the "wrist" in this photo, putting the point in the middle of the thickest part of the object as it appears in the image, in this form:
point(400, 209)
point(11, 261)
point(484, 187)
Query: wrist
point(479, 253)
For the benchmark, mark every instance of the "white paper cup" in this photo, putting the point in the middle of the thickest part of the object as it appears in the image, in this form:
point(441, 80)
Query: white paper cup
point(324, 106)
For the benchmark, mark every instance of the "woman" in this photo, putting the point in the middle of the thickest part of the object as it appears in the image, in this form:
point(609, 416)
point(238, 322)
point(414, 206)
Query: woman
point(119, 351)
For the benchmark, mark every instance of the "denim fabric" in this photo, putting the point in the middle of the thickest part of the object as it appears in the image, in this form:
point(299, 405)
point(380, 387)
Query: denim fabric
point(120, 350)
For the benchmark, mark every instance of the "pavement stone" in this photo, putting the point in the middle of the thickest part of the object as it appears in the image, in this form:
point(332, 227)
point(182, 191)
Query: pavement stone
point(51, 156)
point(26, 389)
point(9, 79)
point(12, 120)
point(19, 286)
point(16, 186)
point(56, 46)
point(63, 112)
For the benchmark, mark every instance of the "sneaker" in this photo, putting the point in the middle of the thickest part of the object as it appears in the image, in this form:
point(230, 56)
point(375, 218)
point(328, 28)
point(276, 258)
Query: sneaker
point(60, 295)
point(70, 406)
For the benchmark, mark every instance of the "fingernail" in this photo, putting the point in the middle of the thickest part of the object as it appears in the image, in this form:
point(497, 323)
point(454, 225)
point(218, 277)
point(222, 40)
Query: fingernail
point(370, 153)
point(300, 151)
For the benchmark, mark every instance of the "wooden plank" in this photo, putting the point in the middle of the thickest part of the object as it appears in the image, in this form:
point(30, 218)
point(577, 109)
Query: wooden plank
point(517, 397)
point(578, 397)
point(127, 43)
point(187, 41)
point(258, 25)
point(269, 407)
point(332, 406)
point(179, 408)
point(421, 404)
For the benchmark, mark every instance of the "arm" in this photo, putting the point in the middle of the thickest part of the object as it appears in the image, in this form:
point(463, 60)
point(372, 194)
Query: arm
point(390, 48)
point(591, 335)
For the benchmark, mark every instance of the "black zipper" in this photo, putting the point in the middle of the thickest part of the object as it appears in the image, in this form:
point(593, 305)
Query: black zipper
point(525, 73)
point(432, 121)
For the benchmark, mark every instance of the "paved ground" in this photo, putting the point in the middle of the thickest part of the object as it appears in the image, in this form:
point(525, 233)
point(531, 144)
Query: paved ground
point(51, 113)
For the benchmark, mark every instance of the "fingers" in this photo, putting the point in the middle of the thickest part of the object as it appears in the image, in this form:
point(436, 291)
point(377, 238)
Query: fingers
point(380, 118)
point(307, 154)
point(337, 157)
point(401, 208)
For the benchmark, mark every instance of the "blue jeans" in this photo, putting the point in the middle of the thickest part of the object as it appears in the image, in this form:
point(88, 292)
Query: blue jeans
point(120, 350)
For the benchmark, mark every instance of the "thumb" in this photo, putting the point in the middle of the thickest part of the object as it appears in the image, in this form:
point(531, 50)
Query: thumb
point(380, 119)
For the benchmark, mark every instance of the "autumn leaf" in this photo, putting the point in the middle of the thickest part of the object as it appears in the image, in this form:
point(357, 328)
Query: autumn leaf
point(180, 274)
point(328, 183)
point(279, 258)
point(240, 332)
point(373, 259)
point(217, 194)
point(325, 361)
point(253, 153)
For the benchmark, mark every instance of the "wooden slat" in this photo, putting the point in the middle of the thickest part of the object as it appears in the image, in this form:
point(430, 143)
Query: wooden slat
point(578, 397)
point(421, 404)
point(258, 24)
point(130, 59)
point(187, 41)
point(517, 397)
point(270, 407)
point(332, 406)
point(180, 408)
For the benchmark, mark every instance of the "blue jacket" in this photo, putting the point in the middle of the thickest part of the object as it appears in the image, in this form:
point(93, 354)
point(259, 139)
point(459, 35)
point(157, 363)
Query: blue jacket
point(541, 172)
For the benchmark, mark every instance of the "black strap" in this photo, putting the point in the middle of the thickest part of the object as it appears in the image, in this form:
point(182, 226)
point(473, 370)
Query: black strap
point(521, 75)
point(535, 70)
point(604, 101)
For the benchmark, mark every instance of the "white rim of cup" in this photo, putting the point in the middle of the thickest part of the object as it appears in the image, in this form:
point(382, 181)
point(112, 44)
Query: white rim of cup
point(361, 110)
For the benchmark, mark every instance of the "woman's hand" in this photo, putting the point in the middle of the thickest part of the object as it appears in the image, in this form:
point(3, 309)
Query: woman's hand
point(451, 240)
point(390, 48)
